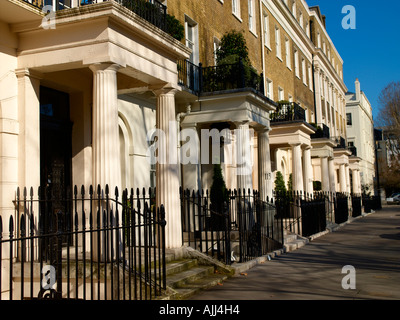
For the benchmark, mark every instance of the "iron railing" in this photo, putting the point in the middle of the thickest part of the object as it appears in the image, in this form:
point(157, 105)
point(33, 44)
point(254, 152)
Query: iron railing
point(321, 132)
point(152, 11)
point(92, 246)
point(200, 80)
point(247, 227)
point(290, 111)
point(302, 213)
point(340, 142)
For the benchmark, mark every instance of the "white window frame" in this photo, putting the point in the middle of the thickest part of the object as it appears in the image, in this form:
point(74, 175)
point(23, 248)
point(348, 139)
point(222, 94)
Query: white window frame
point(281, 94)
point(296, 63)
point(267, 34)
point(303, 70)
point(216, 46)
point(270, 89)
point(252, 16)
point(278, 44)
point(236, 8)
point(287, 52)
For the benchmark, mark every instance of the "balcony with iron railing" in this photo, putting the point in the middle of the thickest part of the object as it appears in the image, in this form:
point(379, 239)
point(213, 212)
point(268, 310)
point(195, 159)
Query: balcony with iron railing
point(216, 79)
point(322, 132)
point(152, 11)
point(288, 112)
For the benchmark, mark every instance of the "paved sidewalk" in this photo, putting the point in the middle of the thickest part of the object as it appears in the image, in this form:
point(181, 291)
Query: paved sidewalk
point(371, 244)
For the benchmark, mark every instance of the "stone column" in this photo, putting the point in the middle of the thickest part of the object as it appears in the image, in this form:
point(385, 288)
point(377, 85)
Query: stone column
point(105, 136)
point(308, 181)
point(342, 178)
point(167, 173)
point(355, 174)
point(264, 165)
point(325, 174)
point(347, 179)
point(331, 168)
point(244, 161)
point(297, 168)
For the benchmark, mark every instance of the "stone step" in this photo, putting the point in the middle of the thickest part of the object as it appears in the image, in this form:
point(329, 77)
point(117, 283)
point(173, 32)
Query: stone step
point(193, 274)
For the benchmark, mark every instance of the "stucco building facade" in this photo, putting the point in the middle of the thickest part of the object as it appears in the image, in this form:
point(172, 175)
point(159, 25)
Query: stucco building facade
point(82, 91)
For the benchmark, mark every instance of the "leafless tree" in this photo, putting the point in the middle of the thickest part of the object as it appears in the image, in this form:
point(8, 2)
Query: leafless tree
point(389, 117)
point(389, 123)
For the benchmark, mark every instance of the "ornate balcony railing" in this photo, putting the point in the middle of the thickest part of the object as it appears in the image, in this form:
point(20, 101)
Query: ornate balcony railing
point(322, 132)
point(289, 111)
point(353, 150)
point(152, 11)
point(340, 142)
point(199, 79)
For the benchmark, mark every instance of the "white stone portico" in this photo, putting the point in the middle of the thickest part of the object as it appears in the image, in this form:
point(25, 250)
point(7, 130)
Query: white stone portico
point(108, 63)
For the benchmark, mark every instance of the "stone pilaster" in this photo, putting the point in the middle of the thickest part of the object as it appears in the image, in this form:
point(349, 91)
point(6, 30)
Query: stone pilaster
point(325, 181)
point(331, 168)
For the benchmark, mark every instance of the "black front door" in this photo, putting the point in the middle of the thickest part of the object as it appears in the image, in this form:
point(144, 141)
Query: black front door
point(55, 157)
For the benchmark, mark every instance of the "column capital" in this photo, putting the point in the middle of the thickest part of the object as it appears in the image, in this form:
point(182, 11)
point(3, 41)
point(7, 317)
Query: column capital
point(164, 89)
point(25, 72)
point(104, 67)
point(261, 129)
point(241, 123)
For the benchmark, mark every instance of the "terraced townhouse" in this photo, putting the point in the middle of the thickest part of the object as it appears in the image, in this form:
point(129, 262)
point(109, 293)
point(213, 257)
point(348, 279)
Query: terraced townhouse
point(82, 87)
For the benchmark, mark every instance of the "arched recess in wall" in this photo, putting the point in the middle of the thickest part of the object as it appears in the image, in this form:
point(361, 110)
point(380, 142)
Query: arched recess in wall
point(125, 145)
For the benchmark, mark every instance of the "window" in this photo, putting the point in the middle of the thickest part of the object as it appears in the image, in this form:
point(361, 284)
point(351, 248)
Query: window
point(310, 76)
point(267, 37)
point(301, 20)
point(270, 89)
point(278, 43)
point(303, 70)
point(192, 39)
point(349, 120)
point(252, 16)
point(319, 40)
point(287, 52)
point(296, 63)
point(236, 8)
point(281, 95)
point(217, 44)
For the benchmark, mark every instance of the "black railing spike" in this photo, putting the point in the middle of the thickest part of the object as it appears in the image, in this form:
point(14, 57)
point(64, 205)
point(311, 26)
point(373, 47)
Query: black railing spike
point(83, 191)
point(116, 192)
point(11, 226)
point(22, 226)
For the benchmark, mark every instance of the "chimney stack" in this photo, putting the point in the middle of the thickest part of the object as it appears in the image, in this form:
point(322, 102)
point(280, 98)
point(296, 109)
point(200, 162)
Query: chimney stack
point(358, 90)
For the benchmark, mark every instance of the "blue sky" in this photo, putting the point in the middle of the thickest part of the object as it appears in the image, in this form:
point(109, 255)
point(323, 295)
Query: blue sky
point(371, 52)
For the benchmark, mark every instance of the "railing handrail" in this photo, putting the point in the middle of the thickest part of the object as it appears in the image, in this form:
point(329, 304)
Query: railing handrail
point(200, 79)
point(289, 111)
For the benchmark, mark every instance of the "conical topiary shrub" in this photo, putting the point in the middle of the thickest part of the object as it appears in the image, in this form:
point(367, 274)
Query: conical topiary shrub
point(219, 199)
